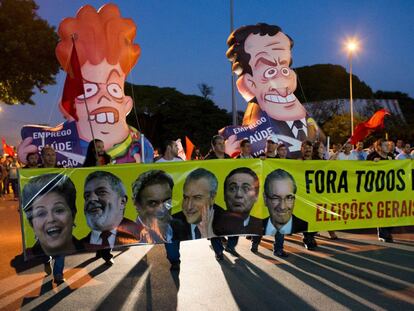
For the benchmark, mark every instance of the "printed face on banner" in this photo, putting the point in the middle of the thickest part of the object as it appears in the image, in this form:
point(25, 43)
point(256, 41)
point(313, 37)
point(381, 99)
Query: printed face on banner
point(154, 203)
point(53, 223)
point(310, 205)
point(280, 201)
point(108, 106)
point(272, 81)
point(196, 200)
point(104, 207)
point(240, 193)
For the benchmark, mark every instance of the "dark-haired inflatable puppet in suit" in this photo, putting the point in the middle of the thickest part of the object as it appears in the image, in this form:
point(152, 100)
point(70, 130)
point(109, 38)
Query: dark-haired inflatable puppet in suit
point(261, 57)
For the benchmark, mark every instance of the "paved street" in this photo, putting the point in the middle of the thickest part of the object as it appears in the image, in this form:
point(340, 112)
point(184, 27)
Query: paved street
point(355, 272)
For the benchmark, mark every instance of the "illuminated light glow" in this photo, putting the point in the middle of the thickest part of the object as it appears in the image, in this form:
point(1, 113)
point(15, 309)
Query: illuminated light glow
point(352, 45)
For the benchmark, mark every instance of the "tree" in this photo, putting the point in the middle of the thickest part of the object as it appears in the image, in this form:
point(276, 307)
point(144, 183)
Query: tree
point(324, 111)
point(339, 127)
point(370, 108)
point(27, 52)
point(164, 113)
point(406, 103)
point(205, 90)
point(326, 81)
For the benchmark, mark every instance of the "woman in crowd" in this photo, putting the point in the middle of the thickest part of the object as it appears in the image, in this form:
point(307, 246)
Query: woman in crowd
point(96, 155)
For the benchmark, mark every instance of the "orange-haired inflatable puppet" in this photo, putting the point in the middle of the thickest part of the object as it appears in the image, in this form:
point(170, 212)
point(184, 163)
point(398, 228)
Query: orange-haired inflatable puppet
point(106, 53)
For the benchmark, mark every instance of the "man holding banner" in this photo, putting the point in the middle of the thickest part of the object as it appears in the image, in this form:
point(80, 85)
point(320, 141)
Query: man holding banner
point(241, 190)
point(105, 202)
point(152, 193)
point(382, 153)
point(308, 237)
point(199, 193)
point(279, 196)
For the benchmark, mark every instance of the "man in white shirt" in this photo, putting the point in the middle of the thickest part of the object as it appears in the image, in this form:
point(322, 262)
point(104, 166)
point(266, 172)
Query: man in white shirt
point(358, 153)
point(346, 154)
point(169, 152)
point(399, 146)
point(405, 153)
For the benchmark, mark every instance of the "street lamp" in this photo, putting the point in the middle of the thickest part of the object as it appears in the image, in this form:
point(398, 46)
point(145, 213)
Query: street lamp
point(352, 46)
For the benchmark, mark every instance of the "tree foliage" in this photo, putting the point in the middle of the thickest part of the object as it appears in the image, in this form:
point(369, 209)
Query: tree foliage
point(205, 90)
point(406, 102)
point(165, 113)
point(320, 83)
point(326, 81)
point(395, 128)
point(27, 51)
point(339, 127)
point(324, 111)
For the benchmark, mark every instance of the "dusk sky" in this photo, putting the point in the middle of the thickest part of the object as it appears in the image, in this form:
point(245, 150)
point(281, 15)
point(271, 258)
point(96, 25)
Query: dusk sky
point(184, 43)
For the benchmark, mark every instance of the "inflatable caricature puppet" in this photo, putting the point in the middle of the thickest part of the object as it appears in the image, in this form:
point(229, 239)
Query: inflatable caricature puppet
point(261, 57)
point(107, 53)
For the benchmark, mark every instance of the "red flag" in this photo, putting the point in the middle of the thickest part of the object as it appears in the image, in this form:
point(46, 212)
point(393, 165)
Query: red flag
point(7, 149)
point(364, 129)
point(189, 146)
point(73, 84)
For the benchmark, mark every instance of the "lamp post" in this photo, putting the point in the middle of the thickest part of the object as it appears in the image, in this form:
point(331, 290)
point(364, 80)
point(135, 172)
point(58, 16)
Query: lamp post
point(351, 46)
point(233, 93)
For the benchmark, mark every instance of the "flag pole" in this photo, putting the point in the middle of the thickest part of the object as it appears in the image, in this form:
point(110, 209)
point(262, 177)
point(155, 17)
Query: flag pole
point(233, 94)
point(142, 139)
point(87, 109)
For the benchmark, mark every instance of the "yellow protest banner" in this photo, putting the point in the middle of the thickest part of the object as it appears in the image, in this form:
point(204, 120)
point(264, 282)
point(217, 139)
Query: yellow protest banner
point(69, 210)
